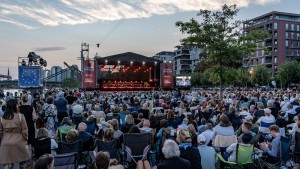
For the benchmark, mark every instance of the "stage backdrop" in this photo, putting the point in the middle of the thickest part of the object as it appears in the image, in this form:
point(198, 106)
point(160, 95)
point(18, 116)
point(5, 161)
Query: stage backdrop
point(89, 74)
point(29, 76)
point(166, 75)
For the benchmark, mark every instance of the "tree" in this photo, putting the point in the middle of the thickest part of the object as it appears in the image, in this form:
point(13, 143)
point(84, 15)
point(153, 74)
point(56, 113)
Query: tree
point(200, 79)
point(70, 83)
point(219, 36)
point(289, 73)
point(261, 75)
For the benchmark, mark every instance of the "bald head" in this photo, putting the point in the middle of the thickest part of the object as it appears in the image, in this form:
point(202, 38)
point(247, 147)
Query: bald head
point(146, 123)
point(82, 126)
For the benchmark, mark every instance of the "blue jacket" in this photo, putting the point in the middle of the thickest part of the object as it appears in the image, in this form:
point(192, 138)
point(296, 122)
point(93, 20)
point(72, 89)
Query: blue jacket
point(61, 105)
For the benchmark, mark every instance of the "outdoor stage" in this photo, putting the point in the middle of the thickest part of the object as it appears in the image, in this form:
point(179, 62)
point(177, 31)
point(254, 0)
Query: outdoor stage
point(127, 71)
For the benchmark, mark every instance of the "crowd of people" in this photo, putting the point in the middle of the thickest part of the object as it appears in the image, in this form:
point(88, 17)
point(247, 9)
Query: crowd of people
point(188, 127)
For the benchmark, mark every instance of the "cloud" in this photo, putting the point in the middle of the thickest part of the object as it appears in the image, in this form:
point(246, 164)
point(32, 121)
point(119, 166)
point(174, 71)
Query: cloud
point(25, 14)
point(44, 49)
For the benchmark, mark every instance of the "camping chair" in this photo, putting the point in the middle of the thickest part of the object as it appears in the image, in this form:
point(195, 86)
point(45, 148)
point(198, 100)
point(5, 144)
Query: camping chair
point(109, 146)
point(65, 161)
point(244, 157)
point(64, 147)
point(40, 147)
point(296, 153)
point(91, 126)
point(267, 125)
point(137, 145)
point(285, 143)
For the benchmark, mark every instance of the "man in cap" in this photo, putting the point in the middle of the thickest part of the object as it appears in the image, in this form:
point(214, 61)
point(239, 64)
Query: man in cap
point(207, 153)
point(267, 119)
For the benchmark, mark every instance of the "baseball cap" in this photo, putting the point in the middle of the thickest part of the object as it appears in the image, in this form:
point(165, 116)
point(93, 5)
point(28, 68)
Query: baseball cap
point(249, 117)
point(201, 138)
point(267, 111)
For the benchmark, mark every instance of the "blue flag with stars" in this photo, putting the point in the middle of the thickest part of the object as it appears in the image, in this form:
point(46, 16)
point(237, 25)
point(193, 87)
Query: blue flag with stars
point(29, 76)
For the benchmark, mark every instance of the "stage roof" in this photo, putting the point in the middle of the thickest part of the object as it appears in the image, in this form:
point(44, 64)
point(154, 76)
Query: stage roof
point(128, 56)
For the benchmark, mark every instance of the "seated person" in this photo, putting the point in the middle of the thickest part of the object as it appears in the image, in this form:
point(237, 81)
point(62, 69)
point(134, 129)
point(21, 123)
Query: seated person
point(102, 161)
point(41, 135)
point(145, 126)
point(208, 154)
point(272, 151)
point(208, 133)
point(44, 162)
point(66, 126)
point(87, 138)
point(72, 136)
point(230, 154)
point(187, 151)
point(254, 127)
point(246, 129)
point(173, 160)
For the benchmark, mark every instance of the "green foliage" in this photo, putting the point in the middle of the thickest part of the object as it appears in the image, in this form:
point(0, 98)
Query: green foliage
point(70, 83)
point(288, 73)
point(261, 75)
point(223, 43)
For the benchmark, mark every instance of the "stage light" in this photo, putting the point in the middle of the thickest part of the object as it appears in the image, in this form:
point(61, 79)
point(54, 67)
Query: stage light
point(105, 61)
point(45, 63)
point(119, 62)
point(131, 62)
point(143, 63)
point(155, 63)
point(23, 63)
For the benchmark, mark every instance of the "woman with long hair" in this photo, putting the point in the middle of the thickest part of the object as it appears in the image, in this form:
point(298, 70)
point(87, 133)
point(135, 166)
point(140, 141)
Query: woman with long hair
point(14, 135)
point(30, 116)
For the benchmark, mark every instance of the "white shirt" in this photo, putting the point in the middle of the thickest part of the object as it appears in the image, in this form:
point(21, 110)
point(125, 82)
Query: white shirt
point(266, 119)
point(209, 134)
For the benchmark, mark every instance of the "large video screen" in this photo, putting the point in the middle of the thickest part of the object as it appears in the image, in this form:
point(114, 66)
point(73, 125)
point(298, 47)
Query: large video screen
point(183, 81)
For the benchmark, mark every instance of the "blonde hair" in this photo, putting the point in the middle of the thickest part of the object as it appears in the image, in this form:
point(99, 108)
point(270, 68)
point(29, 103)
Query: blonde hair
point(72, 136)
point(129, 119)
point(191, 129)
point(42, 133)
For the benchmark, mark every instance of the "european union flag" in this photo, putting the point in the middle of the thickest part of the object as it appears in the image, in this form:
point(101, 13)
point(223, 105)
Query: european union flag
point(29, 76)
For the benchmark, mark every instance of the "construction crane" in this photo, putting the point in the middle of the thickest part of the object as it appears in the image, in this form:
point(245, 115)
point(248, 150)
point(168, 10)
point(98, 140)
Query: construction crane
point(74, 71)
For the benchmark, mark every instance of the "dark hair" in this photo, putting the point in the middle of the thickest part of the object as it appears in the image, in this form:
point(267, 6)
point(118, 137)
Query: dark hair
point(247, 125)
point(102, 160)
point(246, 138)
point(224, 121)
point(140, 115)
point(108, 135)
point(203, 121)
point(134, 129)
point(49, 100)
point(274, 128)
point(152, 119)
point(170, 115)
point(134, 114)
point(44, 162)
point(163, 123)
point(11, 108)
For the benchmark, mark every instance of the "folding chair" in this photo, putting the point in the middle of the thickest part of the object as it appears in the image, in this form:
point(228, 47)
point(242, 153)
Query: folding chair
point(285, 143)
point(64, 147)
point(296, 152)
point(65, 161)
point(91, 126)
point(40, 147)
point(109, 146)
point(114, 116)
point(137, 145)
point(244, 157)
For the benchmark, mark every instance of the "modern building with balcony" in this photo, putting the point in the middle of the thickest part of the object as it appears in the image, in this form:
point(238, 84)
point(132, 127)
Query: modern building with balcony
point(164, 56)
point(186, 59)
point(283, 45)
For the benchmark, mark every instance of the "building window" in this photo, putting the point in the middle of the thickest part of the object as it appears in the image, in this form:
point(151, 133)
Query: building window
point(286, 35)
point(292, 27)
point(286, 43)
point(298, 35)
point(286, 26)
point(276, 25)
point(292, 35)
point(275, 42)
point(275, 35)
point(275, 51)
point(298, 27)
point(275, 60)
